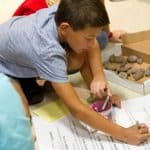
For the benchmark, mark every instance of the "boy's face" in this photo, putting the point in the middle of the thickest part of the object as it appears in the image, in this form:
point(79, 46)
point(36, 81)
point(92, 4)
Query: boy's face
point(82, 40)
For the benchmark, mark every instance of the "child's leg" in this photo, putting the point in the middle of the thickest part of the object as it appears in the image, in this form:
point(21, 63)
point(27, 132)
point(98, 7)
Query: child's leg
point(33, 92)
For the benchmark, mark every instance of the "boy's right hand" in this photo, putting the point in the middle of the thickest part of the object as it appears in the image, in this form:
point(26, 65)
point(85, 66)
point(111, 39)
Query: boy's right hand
point(135, 135)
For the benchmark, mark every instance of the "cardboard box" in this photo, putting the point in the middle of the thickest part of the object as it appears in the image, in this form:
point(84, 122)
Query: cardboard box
point(137, 44)
point(141, 88)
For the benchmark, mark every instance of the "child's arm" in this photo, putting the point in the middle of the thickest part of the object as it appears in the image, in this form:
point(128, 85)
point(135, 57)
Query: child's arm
point(98, 83)
point(82, 112)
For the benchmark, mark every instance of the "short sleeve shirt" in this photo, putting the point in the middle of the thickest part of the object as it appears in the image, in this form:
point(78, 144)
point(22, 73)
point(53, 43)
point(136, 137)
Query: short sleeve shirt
point(30, 47)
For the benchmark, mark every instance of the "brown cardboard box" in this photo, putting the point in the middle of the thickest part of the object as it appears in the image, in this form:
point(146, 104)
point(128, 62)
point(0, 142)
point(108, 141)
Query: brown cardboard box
point(142, 87)
point(137, 44)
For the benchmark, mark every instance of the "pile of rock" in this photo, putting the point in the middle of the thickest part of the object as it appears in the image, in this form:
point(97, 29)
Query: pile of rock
point(125, 67)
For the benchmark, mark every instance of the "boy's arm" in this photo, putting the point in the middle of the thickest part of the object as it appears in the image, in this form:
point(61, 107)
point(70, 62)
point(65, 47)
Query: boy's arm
point(95, 61)
point(99, 86)
point(82, 112)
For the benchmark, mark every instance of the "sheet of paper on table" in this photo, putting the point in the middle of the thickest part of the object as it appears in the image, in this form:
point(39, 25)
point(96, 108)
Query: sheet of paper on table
point(66, 133)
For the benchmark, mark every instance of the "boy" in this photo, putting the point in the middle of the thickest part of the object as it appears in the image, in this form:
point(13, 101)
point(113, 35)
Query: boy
point(36, 93)
point(57, 40)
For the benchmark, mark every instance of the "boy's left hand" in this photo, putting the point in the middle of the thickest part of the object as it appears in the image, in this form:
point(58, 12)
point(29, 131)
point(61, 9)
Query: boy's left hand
point(100, 89)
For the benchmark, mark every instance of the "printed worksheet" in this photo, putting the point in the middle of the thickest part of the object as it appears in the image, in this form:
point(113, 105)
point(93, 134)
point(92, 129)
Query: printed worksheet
point(66, 133)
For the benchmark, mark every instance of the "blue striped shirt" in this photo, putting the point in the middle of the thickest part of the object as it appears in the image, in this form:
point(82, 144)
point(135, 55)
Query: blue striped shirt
point(29, 47)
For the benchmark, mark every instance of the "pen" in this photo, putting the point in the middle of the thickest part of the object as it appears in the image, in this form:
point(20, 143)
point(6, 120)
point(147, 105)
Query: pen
point(105, 102)
point(138, 124)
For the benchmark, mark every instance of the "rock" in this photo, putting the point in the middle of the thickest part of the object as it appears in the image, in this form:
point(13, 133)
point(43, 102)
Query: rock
point(110, 66)
point(140, 61)
point(138, 75)
point(134, 70)
point(123, 68)
point(123, 75)
point(132, 59)
point(112, 58)
point(147, 72)
point(117, 59)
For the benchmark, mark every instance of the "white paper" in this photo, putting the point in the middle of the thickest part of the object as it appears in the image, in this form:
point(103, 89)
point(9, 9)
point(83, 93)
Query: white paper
point(68, 134)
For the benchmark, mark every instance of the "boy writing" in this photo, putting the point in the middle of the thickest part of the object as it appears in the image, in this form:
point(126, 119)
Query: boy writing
point(57, 40)
point(36, 94)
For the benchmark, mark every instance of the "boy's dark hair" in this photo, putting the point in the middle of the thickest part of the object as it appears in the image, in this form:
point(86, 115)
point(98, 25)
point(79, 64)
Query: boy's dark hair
point(81, 13)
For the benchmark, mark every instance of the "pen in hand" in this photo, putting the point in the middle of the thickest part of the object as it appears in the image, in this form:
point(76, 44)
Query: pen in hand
point(138, 124)
point(105, 102)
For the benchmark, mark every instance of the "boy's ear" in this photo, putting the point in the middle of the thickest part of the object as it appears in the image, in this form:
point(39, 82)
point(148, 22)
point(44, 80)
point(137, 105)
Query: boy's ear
point(64, 26)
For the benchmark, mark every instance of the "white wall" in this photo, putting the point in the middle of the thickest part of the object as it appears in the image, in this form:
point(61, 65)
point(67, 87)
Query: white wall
point(131, 15)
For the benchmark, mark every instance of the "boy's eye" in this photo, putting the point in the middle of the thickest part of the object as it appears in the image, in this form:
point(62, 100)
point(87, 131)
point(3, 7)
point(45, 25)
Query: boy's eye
point(89, 39)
